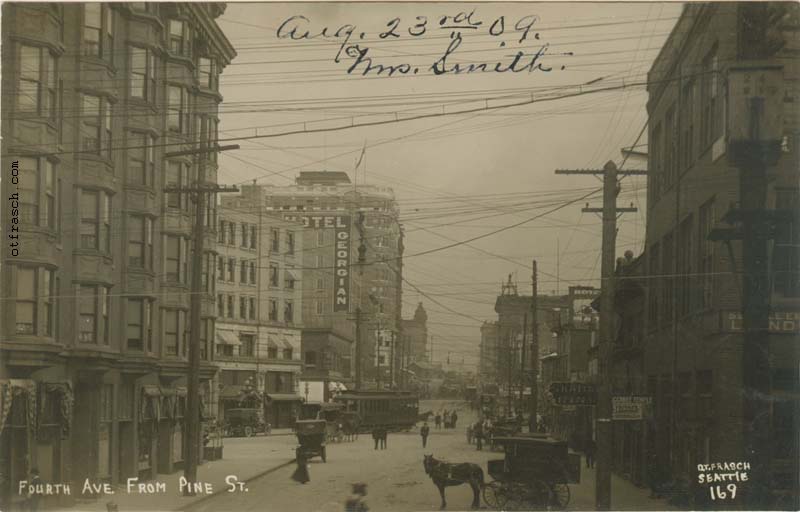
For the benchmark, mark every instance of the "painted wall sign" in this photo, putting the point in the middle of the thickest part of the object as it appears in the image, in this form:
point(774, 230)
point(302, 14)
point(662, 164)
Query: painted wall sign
point(629, 407)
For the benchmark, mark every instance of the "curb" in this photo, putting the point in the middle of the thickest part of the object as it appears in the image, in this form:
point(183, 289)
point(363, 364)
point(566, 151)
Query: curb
point(188, 506)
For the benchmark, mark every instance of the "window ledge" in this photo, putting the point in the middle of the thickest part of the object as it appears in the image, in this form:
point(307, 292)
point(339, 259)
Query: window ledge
point(93, 252)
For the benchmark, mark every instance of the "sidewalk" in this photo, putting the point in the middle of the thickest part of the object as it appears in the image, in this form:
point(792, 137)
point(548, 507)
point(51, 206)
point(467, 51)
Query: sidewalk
point(624, 494)
point(245, 458)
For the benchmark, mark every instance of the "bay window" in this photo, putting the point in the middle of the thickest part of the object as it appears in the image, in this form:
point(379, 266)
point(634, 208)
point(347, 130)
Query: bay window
point(243, 308)
point(38, 193)
point(178, 176)
point(96, 132)
point(176, 259)
point(93, 309)
point(243, 272)
point(141, 159)
point(143, 74)
point(140, 242)
point(98, 31)
point(137, 327)
point(252, 308)
point(177, 106)
point(207, 73)
point(26, 300)
point(179, 41)
point(171, 330)
point(48, 303)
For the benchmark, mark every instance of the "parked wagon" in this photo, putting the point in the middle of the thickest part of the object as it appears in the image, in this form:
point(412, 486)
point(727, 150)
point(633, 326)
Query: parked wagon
point(311, 437)
point(534, 475)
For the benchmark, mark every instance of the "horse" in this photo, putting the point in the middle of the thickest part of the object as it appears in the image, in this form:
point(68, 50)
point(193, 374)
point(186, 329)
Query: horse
point(445, 474)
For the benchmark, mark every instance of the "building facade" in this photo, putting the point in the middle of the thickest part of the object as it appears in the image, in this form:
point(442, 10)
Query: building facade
point(95, 96)
point(351, 261)
point(259, 312)
point(487, 362)
point(693, 335)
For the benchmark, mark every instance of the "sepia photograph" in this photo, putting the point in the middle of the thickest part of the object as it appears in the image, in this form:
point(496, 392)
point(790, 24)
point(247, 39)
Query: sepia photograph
point(551, 250)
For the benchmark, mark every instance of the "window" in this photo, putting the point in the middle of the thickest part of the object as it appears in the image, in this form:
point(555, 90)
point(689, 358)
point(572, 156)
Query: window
point(289, 280)
point(221, 306)
point(243, 308)
point(654, 288)
point(243, 272)
point(26, 300)
point(171, 330)
point(36, 88)
point(287, 354)
point(247, 347)
point(288, 312)
point(667, 280)
point(687, 125)
point(311, 358)
point(320, 283)
point(98, 31)
point(143, 74)
point(253, 239)
point(320, 238)
point(711, 111)
point(252, 272)
point(139, 324)
point(273, 274)
point(141, 159)
point(179, 42)
point(48, 302)
point(656, 164)
point(37, 186)
point(176, 177)
point(95, 221)
point(786, 255)
point(140, 242)
point(50, 204)
point(224, 350)
point(272, 353)
point(221, 232)
point(231, 270)
point(149, 7)
point(273, 310)
point(176, 259)
point(670, 146)
point(275, 240)
point(206, 332)
point(232, 233)
point(220, 268)
point(207, 73)
point(252, 308)
point(231, 312)
point(93, 302)
point(245, 232)
point(705, 254)
point(684, 268)
point(176, 109)
point(289, 242)
point(320, 261)
point(320, 309)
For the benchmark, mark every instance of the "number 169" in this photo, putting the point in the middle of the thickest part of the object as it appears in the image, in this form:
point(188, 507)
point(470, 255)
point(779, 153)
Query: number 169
point(718, 494)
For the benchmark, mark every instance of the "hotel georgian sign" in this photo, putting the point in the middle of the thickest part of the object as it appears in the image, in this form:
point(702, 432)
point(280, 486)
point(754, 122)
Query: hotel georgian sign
point(341, 253)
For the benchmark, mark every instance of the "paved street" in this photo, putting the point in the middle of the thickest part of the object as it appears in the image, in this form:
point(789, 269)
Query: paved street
point(396, 478)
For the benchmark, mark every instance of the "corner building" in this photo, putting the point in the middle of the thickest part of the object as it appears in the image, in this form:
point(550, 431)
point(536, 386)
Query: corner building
point(693, 331)
point(94, 322)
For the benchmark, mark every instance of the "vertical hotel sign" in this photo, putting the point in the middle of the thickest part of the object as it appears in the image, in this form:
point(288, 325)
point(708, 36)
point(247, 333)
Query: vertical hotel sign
point(341, 258)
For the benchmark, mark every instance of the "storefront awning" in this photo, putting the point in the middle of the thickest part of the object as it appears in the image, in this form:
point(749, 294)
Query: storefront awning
point(291, 275)
point(283, 397)
point(271, 342)
point(224, 337)
point(287, 343)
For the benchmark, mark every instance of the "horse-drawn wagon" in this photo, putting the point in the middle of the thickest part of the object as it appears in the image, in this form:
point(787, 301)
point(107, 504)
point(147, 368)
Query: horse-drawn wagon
point(533, 475)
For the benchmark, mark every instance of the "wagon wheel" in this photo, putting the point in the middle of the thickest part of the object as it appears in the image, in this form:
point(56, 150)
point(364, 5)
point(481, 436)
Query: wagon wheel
point(248, 431)
point(538, 496)
point(522, 497)
point(495, 494)
point(560, 496)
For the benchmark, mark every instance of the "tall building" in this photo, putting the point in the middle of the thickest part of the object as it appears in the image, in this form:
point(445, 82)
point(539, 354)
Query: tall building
point(259, 312)
point(351, 260)
point(487, 363)
point(693, 334)
point(96, 97)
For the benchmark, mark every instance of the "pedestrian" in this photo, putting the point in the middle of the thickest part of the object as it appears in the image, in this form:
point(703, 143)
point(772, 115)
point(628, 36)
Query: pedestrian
point(479, 435)
point(355, 502)
point(301, 473)
point(34, 497)
point(469, 434)
point(424, 432)
point(589, 449)
point(376, 436)
point(384, 433)
point(454, 418)
point(438, 420)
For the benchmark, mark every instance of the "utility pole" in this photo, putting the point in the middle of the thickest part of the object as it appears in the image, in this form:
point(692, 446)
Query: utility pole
point(199, 191)
point(534, 400)
point(603, 409)
point(522, 378)
point(431, 348)
point(391, 362)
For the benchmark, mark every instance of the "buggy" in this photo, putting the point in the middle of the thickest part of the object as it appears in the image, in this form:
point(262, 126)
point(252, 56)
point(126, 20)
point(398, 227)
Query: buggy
point(311, 437)
point(533, 475)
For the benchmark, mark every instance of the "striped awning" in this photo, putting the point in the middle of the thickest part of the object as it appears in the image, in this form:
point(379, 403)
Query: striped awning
point(271, 342)
point(287, 343)
point(224, 337)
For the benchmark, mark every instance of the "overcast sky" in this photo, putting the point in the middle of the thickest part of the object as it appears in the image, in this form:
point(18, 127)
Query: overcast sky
point(455, 176)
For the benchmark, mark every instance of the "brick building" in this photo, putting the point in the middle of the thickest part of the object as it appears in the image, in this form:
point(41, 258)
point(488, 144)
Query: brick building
point(693, 338)
point(259, 312)
point(94, 332)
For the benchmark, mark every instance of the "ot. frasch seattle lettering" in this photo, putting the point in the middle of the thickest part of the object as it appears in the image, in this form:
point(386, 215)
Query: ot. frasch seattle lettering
point(299, 28)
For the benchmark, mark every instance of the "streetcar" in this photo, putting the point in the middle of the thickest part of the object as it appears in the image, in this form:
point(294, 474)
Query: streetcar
point(393, 410)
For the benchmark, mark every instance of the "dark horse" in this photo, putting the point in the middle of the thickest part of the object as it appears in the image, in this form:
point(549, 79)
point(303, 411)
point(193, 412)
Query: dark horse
point(445, 474)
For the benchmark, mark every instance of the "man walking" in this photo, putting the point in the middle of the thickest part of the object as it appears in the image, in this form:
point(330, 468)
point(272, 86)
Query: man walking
point(479, 435)
point(376, 436)
point(424, 431)
point(589, 450)
point(384, 433)
point(454, 419)
point(438, 420)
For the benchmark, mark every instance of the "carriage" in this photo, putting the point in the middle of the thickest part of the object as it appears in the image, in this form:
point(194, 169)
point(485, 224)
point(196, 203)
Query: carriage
point(533, 475)
point(311, 436)
point(334, 425)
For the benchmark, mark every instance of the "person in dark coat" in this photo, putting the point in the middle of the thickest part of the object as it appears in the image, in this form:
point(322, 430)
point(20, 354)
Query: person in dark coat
point(590, 449)
point(453, 419)
point(301, 473)
point(424, 432)
point(384, 434)
point(376, 436)
point(355, 503)
point(478, 433)
point(438, 420)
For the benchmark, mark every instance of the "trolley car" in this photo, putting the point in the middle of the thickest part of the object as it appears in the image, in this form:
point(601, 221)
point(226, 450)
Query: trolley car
point(393, 410)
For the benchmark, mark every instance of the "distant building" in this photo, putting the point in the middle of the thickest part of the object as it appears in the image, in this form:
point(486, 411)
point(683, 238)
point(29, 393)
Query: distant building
point(487, 363)
point(339, 219)
point(415, 336)
point(259, 312)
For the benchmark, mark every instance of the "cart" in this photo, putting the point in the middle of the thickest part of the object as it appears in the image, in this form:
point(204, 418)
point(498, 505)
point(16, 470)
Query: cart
point(311, 437)
point(332, 414)
point(533, 475)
